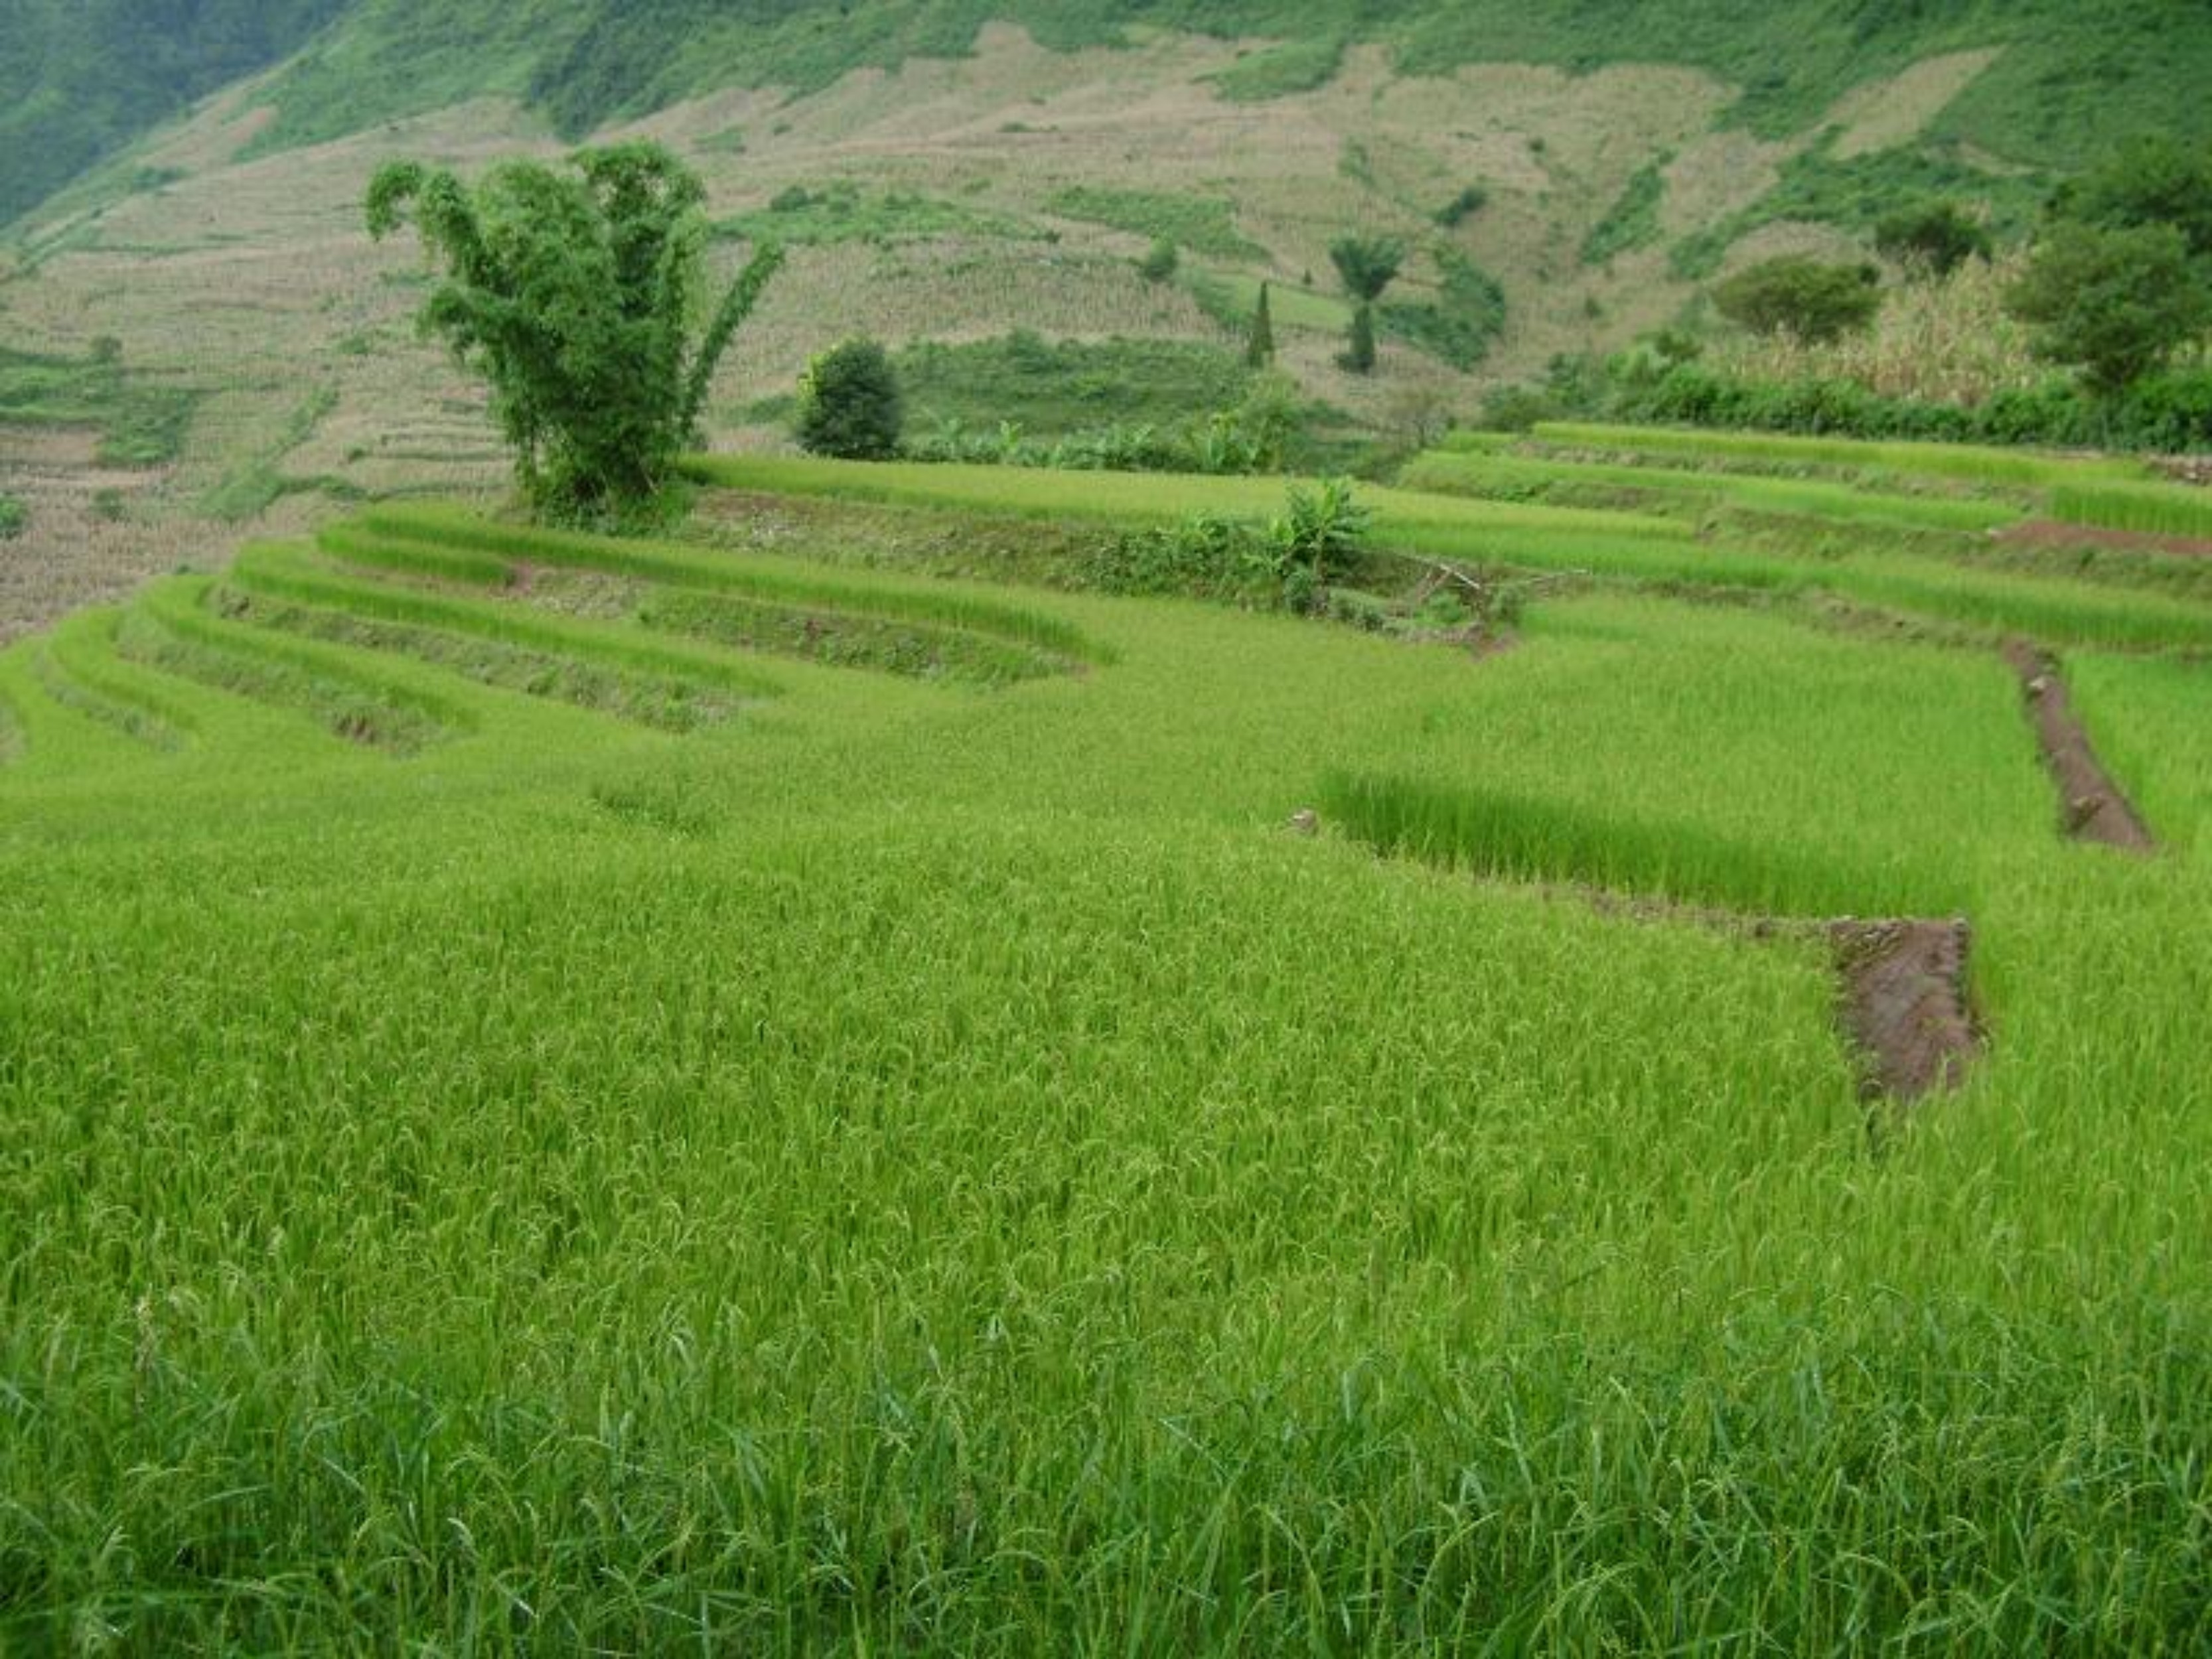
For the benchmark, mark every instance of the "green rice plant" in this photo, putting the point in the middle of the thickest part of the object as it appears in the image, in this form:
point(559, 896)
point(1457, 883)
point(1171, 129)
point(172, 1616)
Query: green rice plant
point(285, 572)
point(2151, 509)
point(784, 583)
point(954, 1173)
point(2151, 721)
point(1528, 839)
point(1630, 547)
point(170, 630)
point(673, 704)
point(1454, 471)
point(1978, 464)
point(77, 665)
point(845, 640)
point(353, 543)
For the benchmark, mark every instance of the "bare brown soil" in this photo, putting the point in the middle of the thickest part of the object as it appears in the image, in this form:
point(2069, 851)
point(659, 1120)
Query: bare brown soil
point(2049, 532)
point(1904, 1003)
point(2093, 808)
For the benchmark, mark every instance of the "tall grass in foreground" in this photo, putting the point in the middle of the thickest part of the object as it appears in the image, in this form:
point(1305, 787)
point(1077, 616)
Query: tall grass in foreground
point(950, 1173)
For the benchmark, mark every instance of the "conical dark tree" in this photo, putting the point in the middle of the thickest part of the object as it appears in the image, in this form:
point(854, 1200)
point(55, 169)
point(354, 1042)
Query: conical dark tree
point(1367, 265)
point(576, 293)
point(1359, 352)
point(1259, 348)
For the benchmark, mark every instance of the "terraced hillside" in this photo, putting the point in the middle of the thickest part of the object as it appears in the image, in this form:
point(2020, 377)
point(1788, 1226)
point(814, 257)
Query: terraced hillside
point(952, 175)
point(826, 1083)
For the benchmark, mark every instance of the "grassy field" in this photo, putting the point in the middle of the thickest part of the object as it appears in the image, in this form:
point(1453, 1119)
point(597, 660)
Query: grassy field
point(565, 1094)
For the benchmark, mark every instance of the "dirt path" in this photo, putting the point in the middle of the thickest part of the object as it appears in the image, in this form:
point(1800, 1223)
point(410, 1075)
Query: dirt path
point(2093, 807)
point(2049, 532)
point(1904, 1002)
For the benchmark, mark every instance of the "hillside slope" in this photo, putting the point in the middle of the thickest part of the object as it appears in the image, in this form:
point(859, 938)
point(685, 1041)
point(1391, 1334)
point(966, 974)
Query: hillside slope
point(950, 173)
point(81, 78)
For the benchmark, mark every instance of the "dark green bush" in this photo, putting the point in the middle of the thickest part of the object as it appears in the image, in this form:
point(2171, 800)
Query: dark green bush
point(1935, 237)
point(2116, 303)
point(1800, 296)
point(849, 404)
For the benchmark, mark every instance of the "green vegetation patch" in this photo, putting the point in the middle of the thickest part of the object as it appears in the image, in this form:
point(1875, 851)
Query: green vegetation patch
point(1855, 194)
point(1463, 323)
point(1977, 463)
point(1279, 71)
point(1053, 388)
point(843, 640)
point(1633, 222)
point(1203, 224)
point(1514, 478)
point(2149, 509)
point(140, 424)
point(176, 636)
point(843, 212)
point(14, 516)
point(671, 704)
point(923, 1173)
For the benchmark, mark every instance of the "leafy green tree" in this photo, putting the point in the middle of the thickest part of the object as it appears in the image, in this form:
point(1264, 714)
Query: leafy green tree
point(578, 295)
point(2152, 180)
point(1160, 261)
point(1802, 297)
point(1366, 265)
point(2115, 303)
point(849, 403)
point(1260, 344)
point(13, 517)
point(1937, 237)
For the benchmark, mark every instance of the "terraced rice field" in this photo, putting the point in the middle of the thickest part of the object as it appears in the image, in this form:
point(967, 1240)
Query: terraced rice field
point(558, 1094)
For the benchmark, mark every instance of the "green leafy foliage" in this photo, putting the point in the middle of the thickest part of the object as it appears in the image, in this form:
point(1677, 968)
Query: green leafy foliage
point(14, 515)
point(1319, 538)
point(1160, 262)
point(2115, 303)
point(1202, 224)
point(849, 403)
point(574, 294)
point(1359, 353)
point(1802, 297)
point(1856, 193)
point(2150, 180)
point(1470, 201)
point(1259, 342)
point(1633, 222)
point(1051, 388)
point(842, 211)
point(141, 421)
point(1463, 323)
point(1933, 237)
point(1277, 71)
point(1367, 265)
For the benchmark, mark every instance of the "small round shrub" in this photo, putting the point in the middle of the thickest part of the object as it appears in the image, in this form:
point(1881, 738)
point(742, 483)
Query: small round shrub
point(849, 404)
